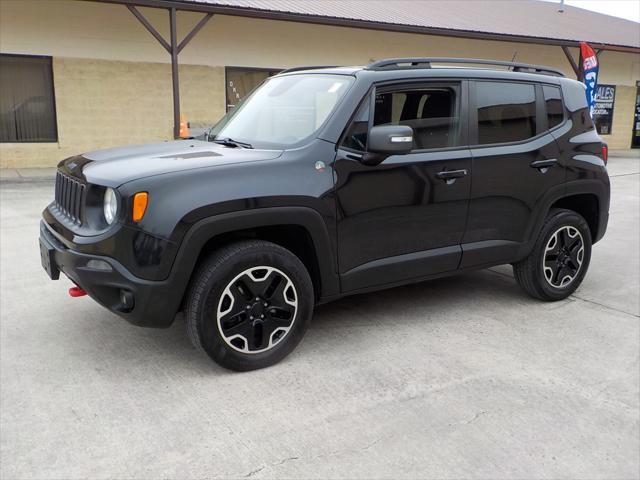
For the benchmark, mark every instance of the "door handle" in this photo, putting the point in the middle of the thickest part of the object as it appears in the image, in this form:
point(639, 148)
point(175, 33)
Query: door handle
point(543, 165)
point(451, 174)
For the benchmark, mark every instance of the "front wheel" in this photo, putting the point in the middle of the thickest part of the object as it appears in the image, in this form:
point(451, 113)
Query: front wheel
point(559, 259)
point(249, 305)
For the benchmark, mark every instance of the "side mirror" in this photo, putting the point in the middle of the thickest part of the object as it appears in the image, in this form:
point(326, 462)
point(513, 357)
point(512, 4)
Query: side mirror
point(385, 140)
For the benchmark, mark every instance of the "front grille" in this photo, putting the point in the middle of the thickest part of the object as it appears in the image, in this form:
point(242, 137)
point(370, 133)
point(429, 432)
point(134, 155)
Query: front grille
point(70, 196)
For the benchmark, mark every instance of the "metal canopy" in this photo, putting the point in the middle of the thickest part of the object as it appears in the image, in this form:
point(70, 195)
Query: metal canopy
point(174, 48)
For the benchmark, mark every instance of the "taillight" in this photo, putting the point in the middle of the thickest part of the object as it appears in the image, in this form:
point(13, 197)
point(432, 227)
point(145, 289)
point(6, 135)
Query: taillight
point(605, 153)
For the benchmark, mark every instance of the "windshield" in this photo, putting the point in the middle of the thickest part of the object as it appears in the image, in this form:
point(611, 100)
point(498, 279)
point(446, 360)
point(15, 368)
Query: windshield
point(283, 111)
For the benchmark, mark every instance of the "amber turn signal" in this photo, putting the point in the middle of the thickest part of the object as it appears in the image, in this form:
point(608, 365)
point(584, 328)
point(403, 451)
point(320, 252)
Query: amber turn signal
point(140, 200)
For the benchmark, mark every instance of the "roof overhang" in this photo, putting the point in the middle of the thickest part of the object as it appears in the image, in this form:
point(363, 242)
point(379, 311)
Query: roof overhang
point(354, 23)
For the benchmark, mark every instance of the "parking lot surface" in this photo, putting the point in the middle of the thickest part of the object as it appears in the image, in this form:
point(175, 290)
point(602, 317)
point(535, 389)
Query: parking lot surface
point(459, 377)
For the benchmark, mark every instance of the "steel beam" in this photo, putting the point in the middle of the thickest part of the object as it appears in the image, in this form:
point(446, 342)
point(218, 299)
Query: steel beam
point(174, 48)
point(149, 27)
point(573, 63)
point(174, 73)
point(194, 31)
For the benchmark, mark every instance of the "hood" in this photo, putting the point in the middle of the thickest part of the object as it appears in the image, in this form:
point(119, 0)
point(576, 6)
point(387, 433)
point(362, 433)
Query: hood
point(113, 167)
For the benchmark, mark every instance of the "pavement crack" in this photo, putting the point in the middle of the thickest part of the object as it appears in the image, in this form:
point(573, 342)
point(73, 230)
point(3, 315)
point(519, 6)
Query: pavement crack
point(608, 307)
point(369, 445)
point(471, 420)
point(475, 417)
point(253, 472)
point(288, 459)
point(276, 464)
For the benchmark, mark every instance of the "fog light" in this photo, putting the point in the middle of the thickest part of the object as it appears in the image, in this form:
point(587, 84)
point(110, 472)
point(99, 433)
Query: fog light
point(126, 300)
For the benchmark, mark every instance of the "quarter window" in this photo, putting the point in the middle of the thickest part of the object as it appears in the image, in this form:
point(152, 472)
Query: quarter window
point(553, 102)
point(506, 112)
point(27, 111)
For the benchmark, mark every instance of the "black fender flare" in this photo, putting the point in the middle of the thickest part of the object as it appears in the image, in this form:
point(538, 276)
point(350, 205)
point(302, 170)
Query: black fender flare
point(207, 228)
point(558, 192)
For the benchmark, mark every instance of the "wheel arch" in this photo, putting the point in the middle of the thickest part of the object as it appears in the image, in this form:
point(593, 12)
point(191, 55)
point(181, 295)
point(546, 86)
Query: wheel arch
point(299, 229)
point(584, 204)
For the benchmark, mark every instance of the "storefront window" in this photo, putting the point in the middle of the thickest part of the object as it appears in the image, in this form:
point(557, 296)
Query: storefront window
point(241, 81)
point(27, 107)
point(603, 111)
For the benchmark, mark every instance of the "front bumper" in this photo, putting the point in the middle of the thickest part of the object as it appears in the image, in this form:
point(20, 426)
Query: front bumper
point(147, 303)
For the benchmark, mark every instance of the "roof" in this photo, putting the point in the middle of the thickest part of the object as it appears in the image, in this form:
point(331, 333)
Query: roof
point(522, 20)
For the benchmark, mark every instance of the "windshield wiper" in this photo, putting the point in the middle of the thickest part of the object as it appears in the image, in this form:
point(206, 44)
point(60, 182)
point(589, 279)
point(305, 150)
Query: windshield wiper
point(230, 142)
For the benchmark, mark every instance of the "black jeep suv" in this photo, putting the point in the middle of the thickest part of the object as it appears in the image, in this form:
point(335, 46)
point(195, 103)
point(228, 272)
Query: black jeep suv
point(331, 181)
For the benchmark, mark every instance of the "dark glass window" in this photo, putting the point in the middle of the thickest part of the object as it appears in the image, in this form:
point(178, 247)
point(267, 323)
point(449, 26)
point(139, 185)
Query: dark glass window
point(27, 107)
point(242, 81)
point(431, 112)
point(553, 101)
point(506, 112)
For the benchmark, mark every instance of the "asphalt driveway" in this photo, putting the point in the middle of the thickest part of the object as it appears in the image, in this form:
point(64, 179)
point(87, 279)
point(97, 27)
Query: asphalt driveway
point(460, 377)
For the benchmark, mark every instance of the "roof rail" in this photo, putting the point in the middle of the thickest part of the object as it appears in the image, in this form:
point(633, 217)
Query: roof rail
point(309, 67)
point(419, 62)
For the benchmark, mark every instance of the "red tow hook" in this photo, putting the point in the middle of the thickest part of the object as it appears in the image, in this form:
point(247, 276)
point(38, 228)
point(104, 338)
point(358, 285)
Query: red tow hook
point(77, 292)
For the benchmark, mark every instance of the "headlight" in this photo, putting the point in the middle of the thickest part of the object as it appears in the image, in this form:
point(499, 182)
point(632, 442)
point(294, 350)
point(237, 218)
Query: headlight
point(110, 205)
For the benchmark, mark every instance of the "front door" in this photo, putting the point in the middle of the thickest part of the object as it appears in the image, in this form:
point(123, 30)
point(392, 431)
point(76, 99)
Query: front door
point(515, 162)
point(404, 219)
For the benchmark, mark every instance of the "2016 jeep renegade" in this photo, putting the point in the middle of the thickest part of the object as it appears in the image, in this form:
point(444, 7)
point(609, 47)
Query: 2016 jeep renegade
point(332, 181)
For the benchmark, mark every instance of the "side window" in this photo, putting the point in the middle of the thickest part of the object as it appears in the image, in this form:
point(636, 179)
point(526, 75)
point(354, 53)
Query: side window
point(431, 112)
point(506, 112)
point(553, 102)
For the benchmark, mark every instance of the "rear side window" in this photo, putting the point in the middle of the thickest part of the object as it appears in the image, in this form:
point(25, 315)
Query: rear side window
point(553, 102)
point(506, 112)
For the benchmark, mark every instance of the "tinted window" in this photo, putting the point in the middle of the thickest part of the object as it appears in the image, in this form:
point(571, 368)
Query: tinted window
point(506, 112)
point(553, 102)
point(27, 112)
point(430, 112)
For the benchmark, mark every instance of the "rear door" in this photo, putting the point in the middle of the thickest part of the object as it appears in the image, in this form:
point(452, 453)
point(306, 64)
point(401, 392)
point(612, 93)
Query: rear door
point(516, 161)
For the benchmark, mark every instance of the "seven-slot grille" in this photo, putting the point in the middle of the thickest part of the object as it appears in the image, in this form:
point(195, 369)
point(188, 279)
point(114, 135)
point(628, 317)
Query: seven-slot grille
point(70, 196)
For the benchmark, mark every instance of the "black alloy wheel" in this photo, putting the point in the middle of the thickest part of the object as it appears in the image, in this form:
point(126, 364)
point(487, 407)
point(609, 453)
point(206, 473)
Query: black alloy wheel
point(257, 309)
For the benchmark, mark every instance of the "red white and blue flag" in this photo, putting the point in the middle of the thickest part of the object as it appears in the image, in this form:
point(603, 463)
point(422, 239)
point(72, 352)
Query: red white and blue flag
point(589, 73)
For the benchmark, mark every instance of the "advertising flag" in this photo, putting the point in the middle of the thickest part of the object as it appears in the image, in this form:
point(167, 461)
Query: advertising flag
point(589, 73)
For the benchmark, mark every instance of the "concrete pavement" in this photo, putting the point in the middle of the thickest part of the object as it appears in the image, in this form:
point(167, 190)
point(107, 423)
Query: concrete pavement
point(464, 377)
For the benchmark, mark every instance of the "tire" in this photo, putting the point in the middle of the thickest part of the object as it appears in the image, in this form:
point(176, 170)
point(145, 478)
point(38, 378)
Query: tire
point(558, 262)
point(249, 305)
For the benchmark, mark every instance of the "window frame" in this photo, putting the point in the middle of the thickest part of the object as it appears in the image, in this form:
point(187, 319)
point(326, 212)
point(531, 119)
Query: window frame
point(49, 61)
point(541, 113)
point(546, 113)
point(460, 86)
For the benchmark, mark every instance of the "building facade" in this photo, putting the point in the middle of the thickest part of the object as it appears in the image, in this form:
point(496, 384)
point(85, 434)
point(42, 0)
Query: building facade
point(81, 75)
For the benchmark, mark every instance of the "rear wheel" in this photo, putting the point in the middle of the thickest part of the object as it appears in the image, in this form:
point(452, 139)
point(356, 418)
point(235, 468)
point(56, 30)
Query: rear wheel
point(559, 259)
point(249, 305)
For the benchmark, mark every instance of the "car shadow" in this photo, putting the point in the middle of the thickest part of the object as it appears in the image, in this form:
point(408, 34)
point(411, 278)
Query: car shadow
point(172, 346)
